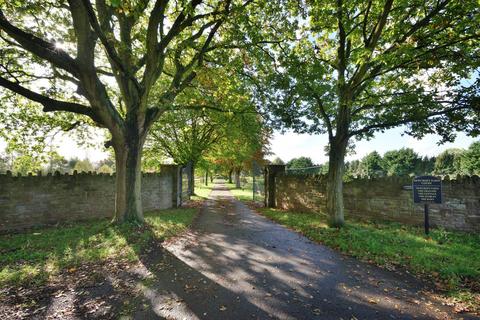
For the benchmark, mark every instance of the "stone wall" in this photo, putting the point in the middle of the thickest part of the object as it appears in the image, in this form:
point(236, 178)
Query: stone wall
point(385, 199)
point(29, 201)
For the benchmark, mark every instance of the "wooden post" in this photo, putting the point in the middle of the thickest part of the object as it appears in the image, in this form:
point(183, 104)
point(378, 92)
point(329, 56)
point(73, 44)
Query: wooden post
point(427, 222)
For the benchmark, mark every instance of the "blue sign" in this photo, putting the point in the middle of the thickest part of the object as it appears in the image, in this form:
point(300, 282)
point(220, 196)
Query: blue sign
point(427, 189)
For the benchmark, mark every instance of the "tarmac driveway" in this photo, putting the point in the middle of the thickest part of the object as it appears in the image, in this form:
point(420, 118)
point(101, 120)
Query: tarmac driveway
point(236, 264)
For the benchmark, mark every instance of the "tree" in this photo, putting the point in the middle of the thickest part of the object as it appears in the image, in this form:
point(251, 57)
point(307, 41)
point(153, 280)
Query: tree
point(448, 162)
point(102, 61)
point(247, 141)
point(4, 165)
point(470, 160)
point(104, 168)
point(72, 162)
point(352, 170)
point(354, 68)
point(426, 166)
point(403, 162)
point(83, 166)
point(25, 159)
point(299, 163)
point(371, 165)
point(277, 160)
point(185, 136)
point(107, 162)
point(56, 162)
point(203, 114)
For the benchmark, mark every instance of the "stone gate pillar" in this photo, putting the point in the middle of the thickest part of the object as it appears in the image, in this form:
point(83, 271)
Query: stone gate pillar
point(271, 172)
point(175, 172)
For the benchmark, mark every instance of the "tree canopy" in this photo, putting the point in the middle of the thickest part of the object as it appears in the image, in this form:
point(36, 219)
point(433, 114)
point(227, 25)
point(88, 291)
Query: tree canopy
point(353, 68)
point(102, 60)
point(193, 71)
point(299, 163)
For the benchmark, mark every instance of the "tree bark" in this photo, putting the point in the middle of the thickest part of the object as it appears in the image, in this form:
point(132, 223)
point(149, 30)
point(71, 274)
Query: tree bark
point(237, 178)
point(128, 181)
point(206, 177)
point(230, 176)
point(335, 209)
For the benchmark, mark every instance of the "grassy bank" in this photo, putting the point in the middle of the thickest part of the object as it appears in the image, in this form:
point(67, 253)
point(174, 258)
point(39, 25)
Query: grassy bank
point(450, 259)
point(34, 256)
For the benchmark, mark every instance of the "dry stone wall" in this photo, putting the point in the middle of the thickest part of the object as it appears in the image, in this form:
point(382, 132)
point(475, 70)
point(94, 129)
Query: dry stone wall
point(385, 199)
point(30, 201)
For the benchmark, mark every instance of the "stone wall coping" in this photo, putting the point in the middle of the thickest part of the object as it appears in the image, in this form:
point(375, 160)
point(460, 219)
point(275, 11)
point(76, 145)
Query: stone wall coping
point(57, 174)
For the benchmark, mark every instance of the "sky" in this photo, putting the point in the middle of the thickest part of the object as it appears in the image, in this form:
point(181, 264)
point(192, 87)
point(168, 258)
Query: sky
point(68, 148)
point(291, 145)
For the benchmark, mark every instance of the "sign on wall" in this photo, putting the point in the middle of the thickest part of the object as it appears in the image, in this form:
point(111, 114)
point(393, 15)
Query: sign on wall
point(427, 189)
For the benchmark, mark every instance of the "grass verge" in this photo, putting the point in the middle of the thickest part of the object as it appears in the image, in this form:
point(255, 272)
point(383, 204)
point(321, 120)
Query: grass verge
point(450, 259)
point(202, 191)
point(34, 256)
point(245, 193)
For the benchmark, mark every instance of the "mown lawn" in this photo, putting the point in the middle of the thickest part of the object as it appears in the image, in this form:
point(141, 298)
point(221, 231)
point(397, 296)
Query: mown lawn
point(450, 259)
point(34, 256)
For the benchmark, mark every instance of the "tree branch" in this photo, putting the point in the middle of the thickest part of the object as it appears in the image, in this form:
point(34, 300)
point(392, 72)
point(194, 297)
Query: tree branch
point(392, 124)
point(40, 47)
point(323, 113)
point(109, 48)
point(50, 104)
point(372, 43)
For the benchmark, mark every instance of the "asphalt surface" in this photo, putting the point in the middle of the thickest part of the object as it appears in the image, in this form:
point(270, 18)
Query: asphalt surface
point(236, 264)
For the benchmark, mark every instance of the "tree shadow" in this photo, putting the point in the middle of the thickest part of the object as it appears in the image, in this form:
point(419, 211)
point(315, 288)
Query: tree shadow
point(286, 276)
point(175, 290)
point(234, 265)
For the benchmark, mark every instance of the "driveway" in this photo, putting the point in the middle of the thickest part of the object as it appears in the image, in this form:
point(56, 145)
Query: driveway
point(236, 264)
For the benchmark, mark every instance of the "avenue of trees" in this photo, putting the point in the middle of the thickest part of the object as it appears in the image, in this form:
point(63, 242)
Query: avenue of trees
point(102, 61)
point(206, 81)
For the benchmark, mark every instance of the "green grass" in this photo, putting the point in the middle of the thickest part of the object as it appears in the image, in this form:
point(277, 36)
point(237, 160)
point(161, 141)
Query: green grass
point(34, 256)
point(245, 193)
point(451, 259)
point(202, 191)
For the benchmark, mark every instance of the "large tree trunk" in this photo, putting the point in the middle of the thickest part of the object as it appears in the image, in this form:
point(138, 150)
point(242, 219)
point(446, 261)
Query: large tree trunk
point(206, 177)
point(128, 181)
point(237, 178)
point(230, 176)
point(335, 207)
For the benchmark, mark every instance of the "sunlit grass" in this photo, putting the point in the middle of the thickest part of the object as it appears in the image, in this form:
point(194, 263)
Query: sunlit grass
point(451, 258)
point(36, 255)
point(245, 193)
point(202, 191)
